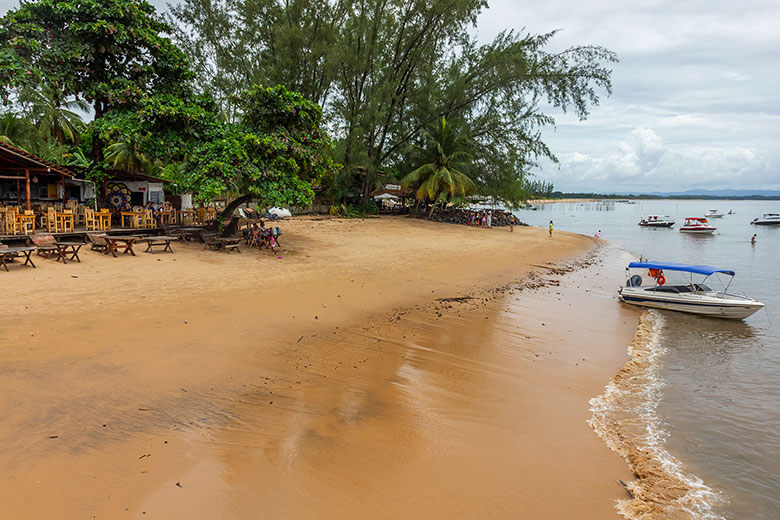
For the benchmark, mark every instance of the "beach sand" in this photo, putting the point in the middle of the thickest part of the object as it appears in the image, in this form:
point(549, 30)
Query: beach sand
point(329, 383)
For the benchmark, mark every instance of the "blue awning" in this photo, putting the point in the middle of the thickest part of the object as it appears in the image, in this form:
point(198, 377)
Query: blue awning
point(698, 269)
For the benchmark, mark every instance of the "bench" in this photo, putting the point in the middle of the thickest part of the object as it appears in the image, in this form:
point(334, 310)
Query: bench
point(97, 242)
point(222, 244)
point(152, 242)
point(48, 246)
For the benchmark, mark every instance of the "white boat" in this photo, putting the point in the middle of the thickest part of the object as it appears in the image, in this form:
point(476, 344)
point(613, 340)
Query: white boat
point(691, 297)
point(697, 225)
point(656, 221)
point(767, 219)
point(713, 213)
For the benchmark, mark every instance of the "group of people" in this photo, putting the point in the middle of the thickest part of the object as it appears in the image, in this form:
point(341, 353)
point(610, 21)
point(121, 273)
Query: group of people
point(481, 218)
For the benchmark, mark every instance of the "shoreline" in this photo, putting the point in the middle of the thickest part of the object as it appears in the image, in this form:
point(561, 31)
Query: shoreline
point(179, 390)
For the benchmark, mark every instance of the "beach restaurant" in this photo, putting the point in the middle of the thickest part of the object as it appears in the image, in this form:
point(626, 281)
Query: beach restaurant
point(26, 178)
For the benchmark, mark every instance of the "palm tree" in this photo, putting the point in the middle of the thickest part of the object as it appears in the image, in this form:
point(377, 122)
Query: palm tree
point(443, 177)
point(126, 155)
point(15, 130)
point(54, 117)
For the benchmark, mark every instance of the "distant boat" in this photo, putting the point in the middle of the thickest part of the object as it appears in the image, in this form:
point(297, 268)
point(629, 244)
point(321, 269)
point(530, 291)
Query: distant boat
point(767, 219)
point(713, 213)
point(657, 221)
point(698, 225)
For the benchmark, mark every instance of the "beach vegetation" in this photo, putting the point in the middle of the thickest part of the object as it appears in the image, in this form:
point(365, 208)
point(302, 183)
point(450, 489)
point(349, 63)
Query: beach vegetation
point(446, 160)
point(384, 71)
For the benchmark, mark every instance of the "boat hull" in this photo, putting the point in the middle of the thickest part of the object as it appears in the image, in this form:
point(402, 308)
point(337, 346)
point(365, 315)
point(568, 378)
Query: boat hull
point(766, 222)
point(700, 231)
point(726, 308)
point(657, 224)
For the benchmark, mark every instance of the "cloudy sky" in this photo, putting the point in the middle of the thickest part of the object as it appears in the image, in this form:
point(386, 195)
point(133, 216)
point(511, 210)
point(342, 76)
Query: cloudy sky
point(696, 100)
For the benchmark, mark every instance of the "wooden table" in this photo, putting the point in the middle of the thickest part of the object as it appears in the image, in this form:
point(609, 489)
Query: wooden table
point(188, 233)
point(166, 216)
point(104, 219)
point(224, 244)
point(161, 240)
point(69, 248)
point(186, 216)
point(134, 217)
point(22, 220)
point(114, 243)
point(7, 255)
point(64, 222)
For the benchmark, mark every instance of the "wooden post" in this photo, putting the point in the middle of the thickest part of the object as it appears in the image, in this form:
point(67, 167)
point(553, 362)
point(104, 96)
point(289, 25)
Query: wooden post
point(27, 187)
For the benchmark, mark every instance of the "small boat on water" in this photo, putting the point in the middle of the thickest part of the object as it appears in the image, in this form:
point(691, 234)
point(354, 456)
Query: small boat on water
point(657, 221)
point(767, 219)
point(698, 225)
point(713, 213)
point(691, 297)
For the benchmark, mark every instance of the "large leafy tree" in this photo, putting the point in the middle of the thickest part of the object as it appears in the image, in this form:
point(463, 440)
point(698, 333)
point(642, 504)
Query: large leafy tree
point(275, 154)
point(384, 70)
point(111, 53)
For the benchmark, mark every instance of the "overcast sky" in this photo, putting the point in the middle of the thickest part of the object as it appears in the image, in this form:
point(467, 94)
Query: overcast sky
point(696, 99)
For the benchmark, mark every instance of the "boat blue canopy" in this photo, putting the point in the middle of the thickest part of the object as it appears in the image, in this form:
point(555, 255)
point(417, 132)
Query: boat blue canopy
point(698, 269)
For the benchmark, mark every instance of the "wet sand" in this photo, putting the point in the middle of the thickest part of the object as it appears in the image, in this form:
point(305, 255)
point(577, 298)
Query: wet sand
point(329, 383)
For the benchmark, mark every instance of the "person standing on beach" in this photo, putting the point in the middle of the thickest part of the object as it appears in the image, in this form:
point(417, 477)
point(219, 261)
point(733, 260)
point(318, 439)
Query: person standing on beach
point(483, 221)
point(551, 228)
point(489, 219)
point(511, 223)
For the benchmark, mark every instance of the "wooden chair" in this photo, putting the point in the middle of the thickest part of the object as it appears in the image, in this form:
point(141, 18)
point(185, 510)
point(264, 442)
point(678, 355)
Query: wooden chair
point(51, 220)
point(46, 244)
point(147, 220)
point(27, 226)
point(90, 222)
point(66, 221)
point(11, 224)
point(97, 242)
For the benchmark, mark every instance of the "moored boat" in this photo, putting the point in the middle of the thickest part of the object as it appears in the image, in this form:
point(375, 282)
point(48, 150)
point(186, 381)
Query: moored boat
point(767, 219)
point(657, 221)
point(713, 213)
point(697, 225)
point(691, 296)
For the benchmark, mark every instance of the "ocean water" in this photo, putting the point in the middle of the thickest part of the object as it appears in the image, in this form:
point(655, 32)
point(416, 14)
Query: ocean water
point(712, 389)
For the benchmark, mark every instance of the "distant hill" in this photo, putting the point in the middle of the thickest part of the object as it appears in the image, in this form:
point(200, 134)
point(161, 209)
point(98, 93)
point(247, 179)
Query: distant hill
point(717, 193)
point(689, 194)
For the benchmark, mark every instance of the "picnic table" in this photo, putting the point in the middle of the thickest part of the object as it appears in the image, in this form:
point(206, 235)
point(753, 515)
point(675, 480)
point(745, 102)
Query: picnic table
point(224, 244)
point(114, 243)
point(9, 253)
point(68, 248)
point(161, 240)
point(188, 233)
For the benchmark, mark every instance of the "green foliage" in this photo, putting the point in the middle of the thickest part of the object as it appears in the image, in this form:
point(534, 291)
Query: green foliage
point(276, 153)
point(385, 70)
point(108, 52)
point(442, 177)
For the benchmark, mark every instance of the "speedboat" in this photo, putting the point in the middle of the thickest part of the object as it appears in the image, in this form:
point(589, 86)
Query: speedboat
point(692, 297)
point(713, 213)
point(697, 225)
point(767, 219)
point(656, 221)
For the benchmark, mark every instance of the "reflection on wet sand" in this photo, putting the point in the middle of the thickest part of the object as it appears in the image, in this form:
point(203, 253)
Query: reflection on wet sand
point(473, 411)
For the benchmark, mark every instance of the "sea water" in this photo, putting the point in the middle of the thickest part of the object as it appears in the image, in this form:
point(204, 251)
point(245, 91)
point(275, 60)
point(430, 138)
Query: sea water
point(718, 402)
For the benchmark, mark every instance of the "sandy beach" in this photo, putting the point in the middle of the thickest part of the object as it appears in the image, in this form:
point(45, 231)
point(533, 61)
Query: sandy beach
point(329, 381)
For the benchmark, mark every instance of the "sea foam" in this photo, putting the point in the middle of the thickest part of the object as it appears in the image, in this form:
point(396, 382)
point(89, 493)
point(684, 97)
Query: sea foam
point(625, 416)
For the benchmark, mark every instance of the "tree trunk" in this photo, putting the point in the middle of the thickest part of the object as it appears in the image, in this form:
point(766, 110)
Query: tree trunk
point(227, 213)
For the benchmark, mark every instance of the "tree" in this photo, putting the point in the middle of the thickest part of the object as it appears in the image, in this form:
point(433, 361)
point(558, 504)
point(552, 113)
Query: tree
point(385, 70)
point(110, 53)
point(275, 154)
point(443, 177)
